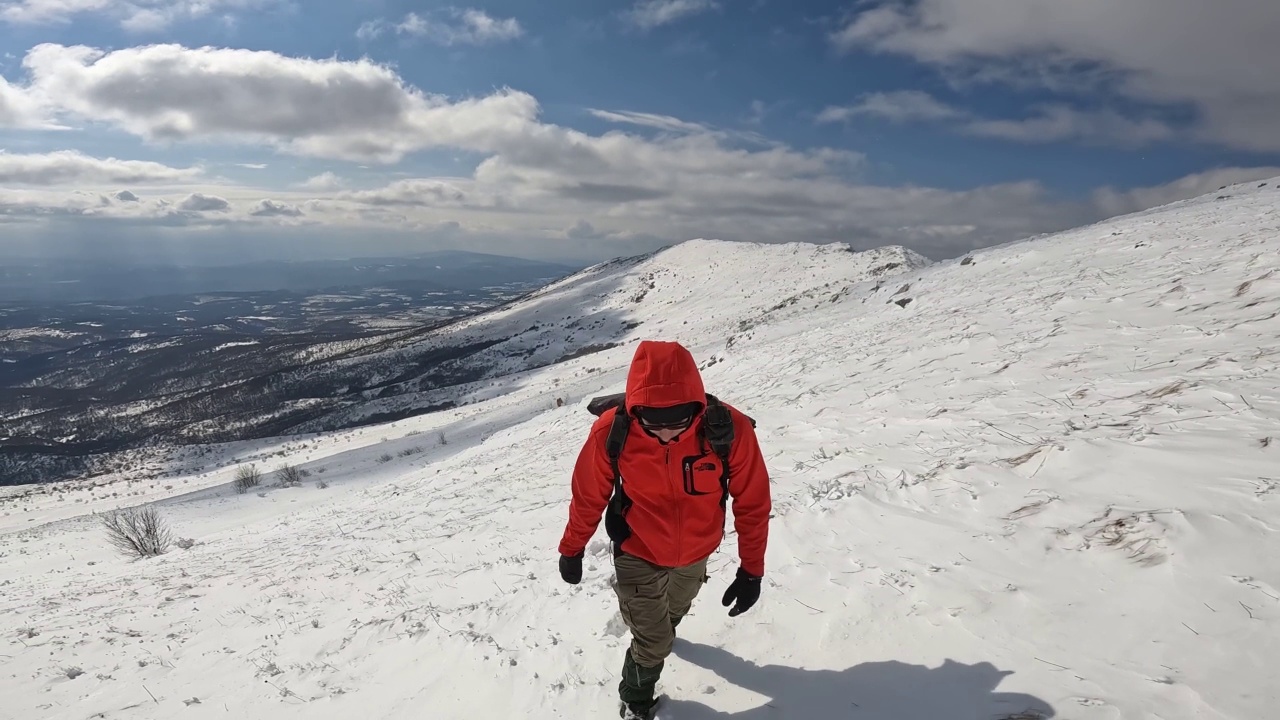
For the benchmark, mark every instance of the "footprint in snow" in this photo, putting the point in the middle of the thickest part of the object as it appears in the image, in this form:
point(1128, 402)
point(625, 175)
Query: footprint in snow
point(616, 627)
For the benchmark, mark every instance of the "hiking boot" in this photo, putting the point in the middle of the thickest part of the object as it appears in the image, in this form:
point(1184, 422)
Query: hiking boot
point(638, 711)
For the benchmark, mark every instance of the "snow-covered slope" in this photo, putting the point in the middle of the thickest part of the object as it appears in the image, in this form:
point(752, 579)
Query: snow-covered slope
point(1045, 486)
point(697, 291)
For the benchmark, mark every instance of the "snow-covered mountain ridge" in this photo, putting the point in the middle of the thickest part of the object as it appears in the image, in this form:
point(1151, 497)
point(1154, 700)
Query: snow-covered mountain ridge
point(1044, 487)
point(693, 292)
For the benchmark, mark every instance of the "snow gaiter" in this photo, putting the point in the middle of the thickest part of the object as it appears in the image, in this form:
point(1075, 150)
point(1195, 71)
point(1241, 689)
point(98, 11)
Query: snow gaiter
point(639, 683)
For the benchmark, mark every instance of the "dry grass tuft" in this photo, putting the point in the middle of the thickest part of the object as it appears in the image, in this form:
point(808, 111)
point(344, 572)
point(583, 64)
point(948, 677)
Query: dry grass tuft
point(1025, 457)
point(1172, 388)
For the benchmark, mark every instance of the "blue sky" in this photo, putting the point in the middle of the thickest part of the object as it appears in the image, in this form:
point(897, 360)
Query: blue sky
point(581, 129)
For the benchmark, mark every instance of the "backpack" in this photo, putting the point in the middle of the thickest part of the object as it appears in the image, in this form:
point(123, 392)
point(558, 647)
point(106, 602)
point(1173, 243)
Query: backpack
point(716, 430)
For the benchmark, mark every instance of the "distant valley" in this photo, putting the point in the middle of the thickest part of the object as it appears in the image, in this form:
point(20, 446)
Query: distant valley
point(82, 378)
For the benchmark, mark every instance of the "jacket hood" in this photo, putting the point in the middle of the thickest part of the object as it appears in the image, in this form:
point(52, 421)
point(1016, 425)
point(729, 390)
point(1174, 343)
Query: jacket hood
point(664, 374)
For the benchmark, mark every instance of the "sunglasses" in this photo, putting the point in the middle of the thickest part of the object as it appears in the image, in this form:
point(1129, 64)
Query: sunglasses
point(678, 425)
point(664, 426)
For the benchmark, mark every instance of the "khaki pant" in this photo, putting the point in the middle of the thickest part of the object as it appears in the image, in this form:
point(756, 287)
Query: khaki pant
point(653, 599)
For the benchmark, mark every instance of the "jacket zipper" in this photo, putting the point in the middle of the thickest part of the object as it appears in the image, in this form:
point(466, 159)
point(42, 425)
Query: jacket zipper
point(675, 498)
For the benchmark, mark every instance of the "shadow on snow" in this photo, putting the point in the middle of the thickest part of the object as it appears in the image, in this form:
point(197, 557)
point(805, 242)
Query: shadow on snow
point(871, 691)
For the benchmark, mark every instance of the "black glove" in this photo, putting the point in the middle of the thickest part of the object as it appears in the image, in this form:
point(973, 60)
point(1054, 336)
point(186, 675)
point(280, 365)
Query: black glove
point(571, 568)
point(745, 589)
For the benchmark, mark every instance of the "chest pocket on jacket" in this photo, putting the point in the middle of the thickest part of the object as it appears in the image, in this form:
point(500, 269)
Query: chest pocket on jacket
point(702, 475)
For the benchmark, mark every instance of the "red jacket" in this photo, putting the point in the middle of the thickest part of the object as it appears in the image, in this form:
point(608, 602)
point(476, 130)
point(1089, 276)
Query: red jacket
point(669, 526)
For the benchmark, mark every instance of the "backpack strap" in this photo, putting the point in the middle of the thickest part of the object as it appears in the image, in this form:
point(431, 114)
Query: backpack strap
point(614, 443)
point(599, 405)
point(615, 522)
point(717, 429)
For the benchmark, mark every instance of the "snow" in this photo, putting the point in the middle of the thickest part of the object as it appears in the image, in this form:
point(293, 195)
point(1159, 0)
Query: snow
point(1044, 487)
point(27, 333)
point(239, 343)
point(148, 347)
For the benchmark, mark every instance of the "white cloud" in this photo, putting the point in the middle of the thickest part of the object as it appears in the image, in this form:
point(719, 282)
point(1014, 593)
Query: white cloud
point(68, 167)
point(252, 166)
point(19, 109)
point(649, 14)
point(27, 204)
point(99, 212)
point(669, 124)
point(324, 181)
point(372, 29)
point(582, 230)
point(199, 202)
point(352, 110)
point(466, 27)
point(50, 11)
point(132, 15)
point(898, 106)
point(412, 192)
point(1057, 122)
point(477, 27)
point(660, 122)
point(1220, 61)
point(1051, 123)
point(534, 180)
point(145, 20)
point(272, 208)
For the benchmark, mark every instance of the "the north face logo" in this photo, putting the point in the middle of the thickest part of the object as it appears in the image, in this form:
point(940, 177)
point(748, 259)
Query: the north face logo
point(705, 466)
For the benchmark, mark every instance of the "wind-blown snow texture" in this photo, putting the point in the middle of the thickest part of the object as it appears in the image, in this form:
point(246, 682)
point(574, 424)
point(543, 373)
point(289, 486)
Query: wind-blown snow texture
point(1044, 487)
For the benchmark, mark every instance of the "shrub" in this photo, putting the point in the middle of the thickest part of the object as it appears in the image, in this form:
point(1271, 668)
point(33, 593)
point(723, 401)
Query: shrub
point(289, 475)
point(247, 476)
point(138, 531)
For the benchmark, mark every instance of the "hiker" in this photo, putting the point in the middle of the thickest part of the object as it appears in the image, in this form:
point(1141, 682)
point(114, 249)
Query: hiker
point(664, 510)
